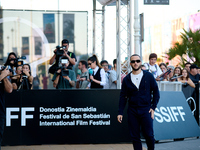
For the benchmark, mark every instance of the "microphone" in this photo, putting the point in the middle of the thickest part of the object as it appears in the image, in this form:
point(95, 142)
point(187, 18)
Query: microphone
point(90, 73)
point(78, 75)
point(79, 72)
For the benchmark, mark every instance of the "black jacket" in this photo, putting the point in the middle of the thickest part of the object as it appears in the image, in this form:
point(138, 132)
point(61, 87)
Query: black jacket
point(141, 97)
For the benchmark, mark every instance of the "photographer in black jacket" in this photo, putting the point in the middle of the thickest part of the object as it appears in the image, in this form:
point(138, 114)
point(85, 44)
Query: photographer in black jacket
point(10, 62)
point(5, 86)
point(62, 51)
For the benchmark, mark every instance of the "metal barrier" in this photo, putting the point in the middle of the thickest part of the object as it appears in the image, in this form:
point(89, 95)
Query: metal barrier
point(169, 86)
point(191, 94)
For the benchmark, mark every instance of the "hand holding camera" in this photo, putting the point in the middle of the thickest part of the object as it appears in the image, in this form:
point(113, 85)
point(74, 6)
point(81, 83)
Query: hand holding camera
point(66, 77)
point(65, 54)
point(55, 51)
point(60, 50)
point(12, 61)
point(15, 62)
point(5, 72)
point(59, 71)
point(83, 78)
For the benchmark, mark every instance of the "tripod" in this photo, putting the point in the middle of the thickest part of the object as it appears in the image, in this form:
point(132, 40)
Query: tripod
point(24, 82)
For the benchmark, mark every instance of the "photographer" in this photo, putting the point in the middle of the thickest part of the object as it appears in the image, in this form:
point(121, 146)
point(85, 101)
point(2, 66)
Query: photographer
point(5, 86)
point(10, 62)
point(58, 53)
point(64, 78)
point(25, 79)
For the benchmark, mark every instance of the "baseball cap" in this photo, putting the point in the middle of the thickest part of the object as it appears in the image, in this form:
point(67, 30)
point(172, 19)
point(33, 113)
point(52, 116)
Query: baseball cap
point(171, 67)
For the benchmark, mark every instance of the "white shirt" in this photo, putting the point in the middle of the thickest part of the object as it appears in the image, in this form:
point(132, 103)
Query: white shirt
point(112, 78)
point(106, 86)
point(102, 75)
point(155, 69)
point(136, 79)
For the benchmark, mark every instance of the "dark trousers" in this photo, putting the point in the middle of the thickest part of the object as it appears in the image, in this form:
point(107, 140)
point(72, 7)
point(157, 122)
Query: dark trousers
point(140, 118)
point(2, 121)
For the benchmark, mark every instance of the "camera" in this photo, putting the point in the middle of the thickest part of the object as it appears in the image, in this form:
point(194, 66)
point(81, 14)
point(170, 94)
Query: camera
point(24, 75)
point(17, 61)
point(60, 50)
point(64, 60)
point(64, 72)
point(84, 77)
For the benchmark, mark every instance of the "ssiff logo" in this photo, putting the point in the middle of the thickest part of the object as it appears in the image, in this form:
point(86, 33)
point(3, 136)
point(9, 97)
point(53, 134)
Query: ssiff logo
point(24, 116)
point(169, 114)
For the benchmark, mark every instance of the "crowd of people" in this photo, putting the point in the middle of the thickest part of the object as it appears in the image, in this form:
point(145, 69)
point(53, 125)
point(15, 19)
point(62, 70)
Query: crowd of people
point(95, 74)
point(92, 73)
point(189, 75)
point(19, 73)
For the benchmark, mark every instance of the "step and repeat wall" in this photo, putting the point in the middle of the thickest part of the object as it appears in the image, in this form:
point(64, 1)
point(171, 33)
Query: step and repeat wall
point(87, 116)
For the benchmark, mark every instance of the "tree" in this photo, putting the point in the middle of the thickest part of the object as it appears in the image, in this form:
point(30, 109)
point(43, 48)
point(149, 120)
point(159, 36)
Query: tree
point(190, 46)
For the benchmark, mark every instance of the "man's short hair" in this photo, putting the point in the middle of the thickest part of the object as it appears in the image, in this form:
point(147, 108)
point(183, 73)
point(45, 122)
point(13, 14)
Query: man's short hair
point(135, 55)
point(152, 55)
point(65, 41)
point(103, 61)
point(188, 63)
point(83, 62)
point(194, 66)
point(114, 61)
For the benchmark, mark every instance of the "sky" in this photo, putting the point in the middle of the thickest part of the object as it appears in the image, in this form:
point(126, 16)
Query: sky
point(153, 14)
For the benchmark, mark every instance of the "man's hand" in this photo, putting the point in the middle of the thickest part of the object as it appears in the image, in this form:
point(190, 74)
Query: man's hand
point(12, 62)
point(82, 79)
point(152, 113)
point(5, 73)
point(59, 71)
point(66, 77)
point(55, 51)
point(14, 85)
point(158, 78)
point(65, 54)
point(119, 118)
point(15, 77)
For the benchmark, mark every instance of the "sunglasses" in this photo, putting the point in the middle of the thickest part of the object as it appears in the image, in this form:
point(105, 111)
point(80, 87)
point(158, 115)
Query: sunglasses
point(89, 64)
point(104, 65)
point(133, 61)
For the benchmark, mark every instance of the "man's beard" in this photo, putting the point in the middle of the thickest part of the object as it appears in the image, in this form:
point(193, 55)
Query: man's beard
point(136, 69)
